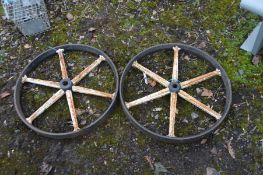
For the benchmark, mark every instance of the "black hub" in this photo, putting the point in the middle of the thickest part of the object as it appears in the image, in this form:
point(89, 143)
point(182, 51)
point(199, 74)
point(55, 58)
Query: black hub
point(66, 84)
point(174, 86)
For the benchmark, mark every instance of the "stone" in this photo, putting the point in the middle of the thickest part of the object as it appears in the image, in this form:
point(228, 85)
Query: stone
point(69, 16)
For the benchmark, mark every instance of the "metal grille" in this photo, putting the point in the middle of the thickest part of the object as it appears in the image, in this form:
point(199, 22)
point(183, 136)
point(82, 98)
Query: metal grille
point(30, 16)
point(8, 9)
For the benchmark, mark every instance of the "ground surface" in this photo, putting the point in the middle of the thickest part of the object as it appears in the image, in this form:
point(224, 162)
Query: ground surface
point(123, 29)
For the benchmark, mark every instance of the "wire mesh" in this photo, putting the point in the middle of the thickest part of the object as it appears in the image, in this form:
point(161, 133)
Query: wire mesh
point(30, 16)
point(8, 9)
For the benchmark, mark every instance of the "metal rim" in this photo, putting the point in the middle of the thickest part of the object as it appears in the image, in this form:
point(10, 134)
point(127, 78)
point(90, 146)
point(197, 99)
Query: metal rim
point(42, 57)
point(200, 54)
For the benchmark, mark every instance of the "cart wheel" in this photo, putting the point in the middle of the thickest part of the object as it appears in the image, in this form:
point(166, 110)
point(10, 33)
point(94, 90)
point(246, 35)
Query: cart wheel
point(50, 119)
point(176, 84)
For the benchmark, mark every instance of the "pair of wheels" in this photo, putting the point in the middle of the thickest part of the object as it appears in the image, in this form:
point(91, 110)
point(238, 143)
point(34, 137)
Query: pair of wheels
point(44, 92)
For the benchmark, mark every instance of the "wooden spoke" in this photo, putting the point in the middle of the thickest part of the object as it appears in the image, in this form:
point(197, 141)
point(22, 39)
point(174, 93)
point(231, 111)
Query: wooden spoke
point(87, 70)
point(60, 93)
point(62, 63)
point(56, 96)
point(173, 101)
point(198, 104)
point(46, 105)
point(199, 79)
point(147, 98)
point(40, 82)
point(151, 74)
point(74, 88)
point(175, 63)
point(173, 98)
point(72, 110)
point(69, 95)
point(91, 92)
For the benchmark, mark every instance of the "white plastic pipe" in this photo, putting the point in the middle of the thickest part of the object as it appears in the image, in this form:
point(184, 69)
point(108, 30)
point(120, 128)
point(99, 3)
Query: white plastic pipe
point(254, 6)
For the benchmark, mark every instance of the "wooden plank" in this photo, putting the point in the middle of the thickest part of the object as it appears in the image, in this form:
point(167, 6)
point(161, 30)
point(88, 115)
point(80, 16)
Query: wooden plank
point(60, 93)
point(69, 95)
point(173, 98)
point(199, 79)
point(175, 63)
point(91, 92)
point(153, 75)
point(41, 82)
point(173, 101)
point(72, 110)
point(198, 104)
point(147, 98)
point(62, 63)
point(87, 70)
point(46, 105)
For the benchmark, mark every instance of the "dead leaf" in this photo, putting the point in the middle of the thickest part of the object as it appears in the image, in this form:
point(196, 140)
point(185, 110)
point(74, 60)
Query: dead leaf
point(45, 168)
point(80, 111)
point(150, 161)
point(202, 45)
point(194, 115)
point(214, 150)
point(159, 169)
point(93, 40)
point(152, 82)
point(27, 46)
point(157, 109)
point(187, 58)
point(256, 59)
point(211, 171)
point(207, 93)
point(203, 141)
point(4, 94)
point(92, 29)
point(230, 149)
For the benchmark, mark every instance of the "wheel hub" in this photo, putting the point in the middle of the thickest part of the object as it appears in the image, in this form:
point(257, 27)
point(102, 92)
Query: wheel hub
point(174, 86)
point(66, 84)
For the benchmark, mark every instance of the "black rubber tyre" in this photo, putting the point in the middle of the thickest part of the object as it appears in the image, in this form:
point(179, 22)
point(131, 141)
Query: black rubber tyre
point(46, 55)
point(200, 54)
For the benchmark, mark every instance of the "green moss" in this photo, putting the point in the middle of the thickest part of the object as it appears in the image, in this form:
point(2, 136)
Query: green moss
point(175, 19)
point(132, 6)
point(147, 172)
point(1, 10)
point(232, 58)
point(258, 122)
point(149, 4)
point(12, 166)
point(2, 57)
